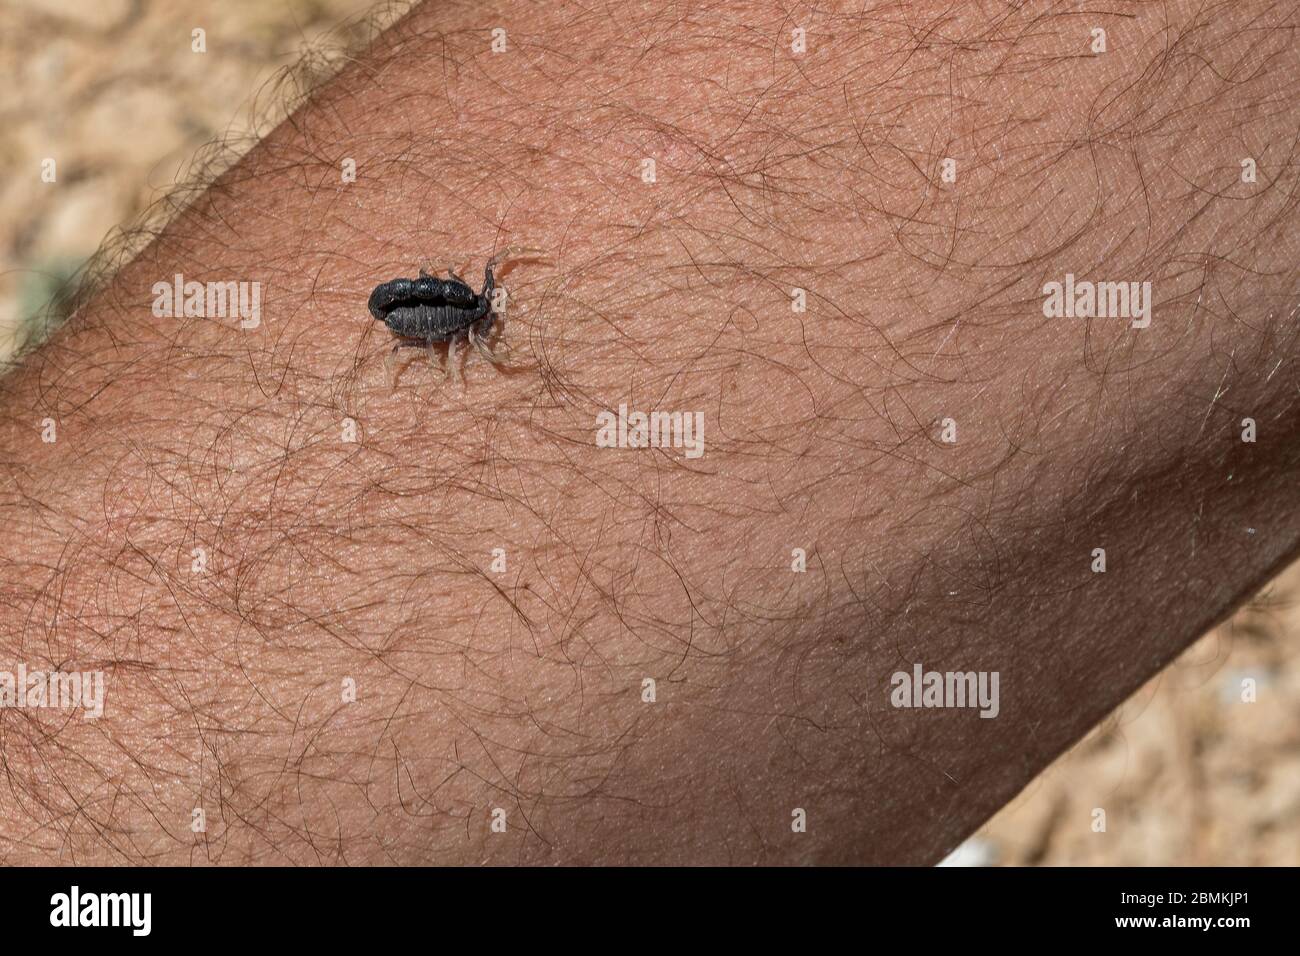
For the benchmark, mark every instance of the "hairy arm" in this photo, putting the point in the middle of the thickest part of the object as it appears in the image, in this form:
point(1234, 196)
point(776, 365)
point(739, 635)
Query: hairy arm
point(326, 563)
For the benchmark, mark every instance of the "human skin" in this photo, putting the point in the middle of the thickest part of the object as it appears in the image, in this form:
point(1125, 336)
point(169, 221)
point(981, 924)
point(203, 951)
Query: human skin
point(331, 561)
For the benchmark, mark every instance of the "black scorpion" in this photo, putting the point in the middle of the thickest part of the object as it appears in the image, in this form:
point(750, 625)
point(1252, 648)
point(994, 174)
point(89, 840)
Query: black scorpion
point(428, 311)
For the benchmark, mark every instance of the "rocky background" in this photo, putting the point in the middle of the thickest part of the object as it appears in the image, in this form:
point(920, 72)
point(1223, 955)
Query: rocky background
point(1186, 771)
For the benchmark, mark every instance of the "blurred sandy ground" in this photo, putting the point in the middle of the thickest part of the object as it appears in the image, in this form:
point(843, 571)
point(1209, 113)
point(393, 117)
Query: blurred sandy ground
point(1186, 772)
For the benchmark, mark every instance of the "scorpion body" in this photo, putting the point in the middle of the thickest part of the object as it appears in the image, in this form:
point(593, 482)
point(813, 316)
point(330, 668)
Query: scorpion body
point(432, 309)
point(429, 311)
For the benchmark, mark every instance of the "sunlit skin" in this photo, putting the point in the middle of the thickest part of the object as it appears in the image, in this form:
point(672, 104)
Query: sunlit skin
point(649, 677)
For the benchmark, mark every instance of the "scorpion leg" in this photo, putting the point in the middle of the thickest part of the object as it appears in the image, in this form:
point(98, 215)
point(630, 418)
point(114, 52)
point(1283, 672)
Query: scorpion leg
point(478, 338)
point(456, 275)
point(515, 252)
point(391, 371)
point(431, 349)
point(453, 366)
point(510, 252)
